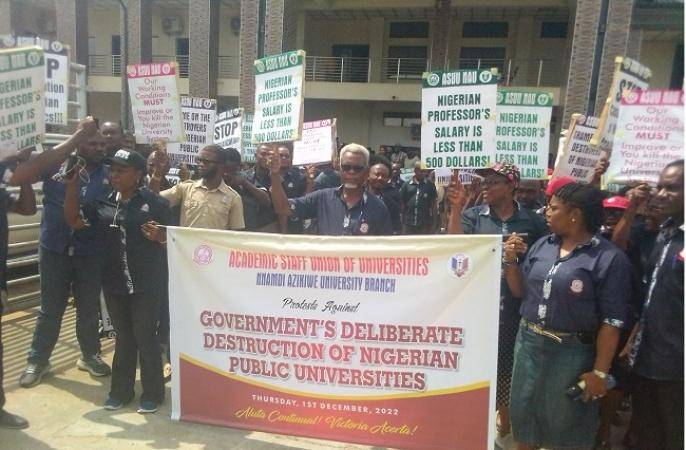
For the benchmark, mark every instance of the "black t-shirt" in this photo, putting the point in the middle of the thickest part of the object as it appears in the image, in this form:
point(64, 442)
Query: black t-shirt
point(256, 215)
point(133, 264)
point(418, 199)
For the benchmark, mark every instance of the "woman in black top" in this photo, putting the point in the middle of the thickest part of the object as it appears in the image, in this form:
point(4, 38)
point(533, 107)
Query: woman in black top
point(134, 275)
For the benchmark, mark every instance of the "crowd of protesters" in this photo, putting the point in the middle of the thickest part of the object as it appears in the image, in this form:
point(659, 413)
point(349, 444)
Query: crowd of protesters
point(591, 307)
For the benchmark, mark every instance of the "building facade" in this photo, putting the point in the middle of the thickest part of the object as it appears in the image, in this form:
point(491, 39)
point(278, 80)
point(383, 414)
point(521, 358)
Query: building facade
point(364, 57)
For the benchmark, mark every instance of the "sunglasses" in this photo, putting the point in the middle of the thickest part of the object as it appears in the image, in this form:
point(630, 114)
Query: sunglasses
point(352, 168)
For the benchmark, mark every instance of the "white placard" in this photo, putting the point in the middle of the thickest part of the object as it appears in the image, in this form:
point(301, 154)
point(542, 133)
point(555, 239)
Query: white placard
point(228, 130)
point(279, 97)
point(523, 131)
point(579, 159)
point(155, 102)
point(317, 144)
point(650, 135)
point(249, 149)
point(22, 119)
point(629, 75)
point(458, 119)
point(199, 115)
point(56, 57)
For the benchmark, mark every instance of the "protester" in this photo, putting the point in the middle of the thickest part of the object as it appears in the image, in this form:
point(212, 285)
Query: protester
point(24, 204)
point(551, 188)
point(155, 160)
point(412, 159)
point(575, 287)
point(68, 260)
point(347, 210)
point(252, 196)
point(530, 194)
point(418, 207)
point(656, 349)
point(295, 184)
point(614, 208)
point(329, 177)
point(114, 137)
point(207, 202)
point(128, 217)
point(258, 209)
point(395, 180)
point(378, 185)
point(398, 156)
point(500, 214)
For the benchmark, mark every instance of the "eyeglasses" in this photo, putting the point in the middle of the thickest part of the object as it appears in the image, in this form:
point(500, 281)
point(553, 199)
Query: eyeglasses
point(352, 168)
point(205, 161)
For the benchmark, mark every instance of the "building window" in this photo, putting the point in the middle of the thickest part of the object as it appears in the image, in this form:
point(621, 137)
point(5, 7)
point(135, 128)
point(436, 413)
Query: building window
point(554, 30)
point(485, 30)
point(409, 30)
point(482, 57)
point(406, 61)
point(402, 119)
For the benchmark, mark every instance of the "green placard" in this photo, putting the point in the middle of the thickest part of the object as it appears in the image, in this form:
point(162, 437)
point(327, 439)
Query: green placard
point(279, 62)
point(21, 58)
point(515, 97)
point(472, 77)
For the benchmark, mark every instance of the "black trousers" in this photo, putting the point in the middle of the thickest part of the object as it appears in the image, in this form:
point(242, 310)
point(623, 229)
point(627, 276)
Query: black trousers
point(134, 318)
point(658, 408)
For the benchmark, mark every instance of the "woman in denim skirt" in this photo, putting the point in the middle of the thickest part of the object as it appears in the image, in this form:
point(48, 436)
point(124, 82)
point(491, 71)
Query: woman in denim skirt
point(575, 287)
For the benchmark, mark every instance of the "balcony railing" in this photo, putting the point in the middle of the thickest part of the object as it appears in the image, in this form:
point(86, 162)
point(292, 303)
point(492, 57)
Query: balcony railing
point(110, 65)
point(514, 72)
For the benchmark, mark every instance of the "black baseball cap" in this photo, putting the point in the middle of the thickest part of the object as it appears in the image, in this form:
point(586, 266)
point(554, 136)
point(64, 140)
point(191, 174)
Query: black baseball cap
point(129, 158)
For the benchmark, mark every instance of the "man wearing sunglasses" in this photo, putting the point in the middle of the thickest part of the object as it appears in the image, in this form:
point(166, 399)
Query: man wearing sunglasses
point(68, 260)
point(343, 211)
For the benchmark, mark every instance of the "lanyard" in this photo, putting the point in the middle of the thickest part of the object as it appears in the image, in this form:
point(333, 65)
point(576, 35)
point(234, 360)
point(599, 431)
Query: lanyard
point(548, 283)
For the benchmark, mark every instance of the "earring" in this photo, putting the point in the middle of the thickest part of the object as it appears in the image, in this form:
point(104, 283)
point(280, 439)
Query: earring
point(573, 220)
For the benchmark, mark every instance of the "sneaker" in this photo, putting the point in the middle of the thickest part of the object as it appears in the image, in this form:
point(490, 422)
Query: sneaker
point(95, 365)
point(33, 374)
point(12, 421)
point(147, 406)
point(112, 404)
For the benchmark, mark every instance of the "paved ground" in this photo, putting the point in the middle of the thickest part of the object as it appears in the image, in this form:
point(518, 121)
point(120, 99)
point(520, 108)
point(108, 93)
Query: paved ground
point(65, 411)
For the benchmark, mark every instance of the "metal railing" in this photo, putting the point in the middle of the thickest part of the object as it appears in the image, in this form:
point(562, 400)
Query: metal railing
point(110, 65)
point(519, 72)
point(513, 71)
point(229, 66)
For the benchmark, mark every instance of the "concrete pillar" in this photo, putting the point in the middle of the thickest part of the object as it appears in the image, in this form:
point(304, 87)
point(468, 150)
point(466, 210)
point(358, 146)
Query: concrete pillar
point(581, 58)
point(300, 31)
point(5, 17)
point(615, 44)
point(522, 60)
point(633, 47)
point(440, 35)
point(71, 17)
point(136, 46)
point(203, 29)
point(281, 26)
point(248, 53)
point(376, 29)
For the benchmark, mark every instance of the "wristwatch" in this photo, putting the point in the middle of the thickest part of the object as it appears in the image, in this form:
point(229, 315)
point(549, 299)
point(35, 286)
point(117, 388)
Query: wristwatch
point(600, 374)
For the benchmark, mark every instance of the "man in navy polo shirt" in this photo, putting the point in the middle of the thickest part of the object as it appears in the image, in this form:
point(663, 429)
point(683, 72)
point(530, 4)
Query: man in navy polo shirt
point(656, 351)
point(344, 211)
point(68, 259)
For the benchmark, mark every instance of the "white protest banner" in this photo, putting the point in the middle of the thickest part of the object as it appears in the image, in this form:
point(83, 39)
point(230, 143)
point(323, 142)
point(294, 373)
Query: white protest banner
point(629, 75)
point(249, 149)
point(650, 135)
point(325, 338)
point(228, 130)
point(279, 97)
point(578, 158)
point(56, 57)
point(458, 123)
point(22, 118)
point(198, 115)
point(523, 131)
point(155, 102)
point(317, 144)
